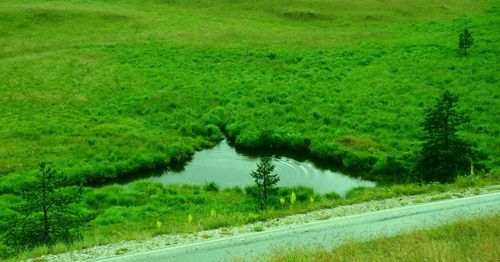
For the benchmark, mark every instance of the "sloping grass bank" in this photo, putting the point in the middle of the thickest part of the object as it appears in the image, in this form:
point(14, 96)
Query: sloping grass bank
point(144, 209)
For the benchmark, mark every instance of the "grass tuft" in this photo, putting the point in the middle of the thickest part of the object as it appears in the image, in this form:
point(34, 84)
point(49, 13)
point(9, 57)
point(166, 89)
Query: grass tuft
point(468, 240)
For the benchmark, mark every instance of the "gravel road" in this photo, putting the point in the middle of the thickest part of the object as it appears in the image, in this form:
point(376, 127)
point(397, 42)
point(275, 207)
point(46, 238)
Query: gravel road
point(361, 221)
point(337, 230)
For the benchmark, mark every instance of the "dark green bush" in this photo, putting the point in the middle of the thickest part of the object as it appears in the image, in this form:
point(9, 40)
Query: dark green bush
point(359, 161)
point(301, 192)
point(211, 187)
point(252, 191)
point(235, 189)
point(6, 251)
point(333, 196)
point(174, 200)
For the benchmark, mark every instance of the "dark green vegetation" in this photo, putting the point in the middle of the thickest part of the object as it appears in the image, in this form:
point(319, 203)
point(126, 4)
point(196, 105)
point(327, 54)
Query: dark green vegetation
point(48, 212)
point(265, 180)
point(110, 88)
point(467, 240)
point(444, 155)
point(465, 41)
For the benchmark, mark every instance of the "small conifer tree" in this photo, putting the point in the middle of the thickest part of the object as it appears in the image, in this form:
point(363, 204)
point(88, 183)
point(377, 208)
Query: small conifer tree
point(465, 41)
point(265, 180)
point(48, 213)
point(444, 155)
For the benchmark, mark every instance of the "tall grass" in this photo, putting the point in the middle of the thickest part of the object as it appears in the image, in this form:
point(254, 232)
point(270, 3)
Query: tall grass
point(140, 85)
point(467, 240)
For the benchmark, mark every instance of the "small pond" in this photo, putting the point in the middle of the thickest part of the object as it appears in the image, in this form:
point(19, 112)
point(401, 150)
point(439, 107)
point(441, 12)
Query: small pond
point(226, 167)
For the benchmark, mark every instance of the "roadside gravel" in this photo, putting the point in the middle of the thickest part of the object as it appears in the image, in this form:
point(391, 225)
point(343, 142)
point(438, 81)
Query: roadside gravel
point(126, 247)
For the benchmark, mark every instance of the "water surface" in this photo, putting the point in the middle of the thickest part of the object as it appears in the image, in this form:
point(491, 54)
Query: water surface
point(223, 165)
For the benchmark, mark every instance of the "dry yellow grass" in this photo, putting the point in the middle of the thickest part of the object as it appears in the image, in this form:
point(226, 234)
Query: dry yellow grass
point(468, 240)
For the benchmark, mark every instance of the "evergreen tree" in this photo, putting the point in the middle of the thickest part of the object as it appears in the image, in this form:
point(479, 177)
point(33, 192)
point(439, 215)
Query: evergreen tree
point(48, 213)
point(265, 180)
point(465, 41)
point(444, 155)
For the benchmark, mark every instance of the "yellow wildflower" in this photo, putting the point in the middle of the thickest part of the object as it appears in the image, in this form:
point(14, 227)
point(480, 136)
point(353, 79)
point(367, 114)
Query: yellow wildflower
point(282, 200)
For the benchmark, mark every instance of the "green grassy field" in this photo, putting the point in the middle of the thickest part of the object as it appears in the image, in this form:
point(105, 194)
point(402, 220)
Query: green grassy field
point(110, 88)
point(468, 240)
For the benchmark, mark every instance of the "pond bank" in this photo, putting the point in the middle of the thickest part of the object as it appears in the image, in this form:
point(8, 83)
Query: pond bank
point(228, 167)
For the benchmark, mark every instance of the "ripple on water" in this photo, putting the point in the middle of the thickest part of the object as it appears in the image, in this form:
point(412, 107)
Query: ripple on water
point(223, 165)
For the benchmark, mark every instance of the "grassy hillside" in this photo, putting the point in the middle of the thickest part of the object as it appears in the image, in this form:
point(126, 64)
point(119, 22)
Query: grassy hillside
point(106, 88)
point(467, 240)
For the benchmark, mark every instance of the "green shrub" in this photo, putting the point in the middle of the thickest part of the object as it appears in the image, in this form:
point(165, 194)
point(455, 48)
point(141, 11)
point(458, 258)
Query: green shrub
point(6, 251)
point(173, 200)
point(302, 193)
point(359, 193)
point(333, 196)
point(359, 161)
point(235, 189)
point(211, 187)
point(112, 216)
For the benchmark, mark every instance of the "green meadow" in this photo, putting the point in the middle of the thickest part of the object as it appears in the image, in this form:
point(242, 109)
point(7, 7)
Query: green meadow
point(110, 88)
point(107, 89)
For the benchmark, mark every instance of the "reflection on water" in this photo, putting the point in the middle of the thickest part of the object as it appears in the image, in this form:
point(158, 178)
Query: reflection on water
point(223, 165)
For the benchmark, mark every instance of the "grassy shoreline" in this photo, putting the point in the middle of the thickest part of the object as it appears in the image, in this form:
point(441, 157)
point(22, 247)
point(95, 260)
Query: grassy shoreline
point(132, 213)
